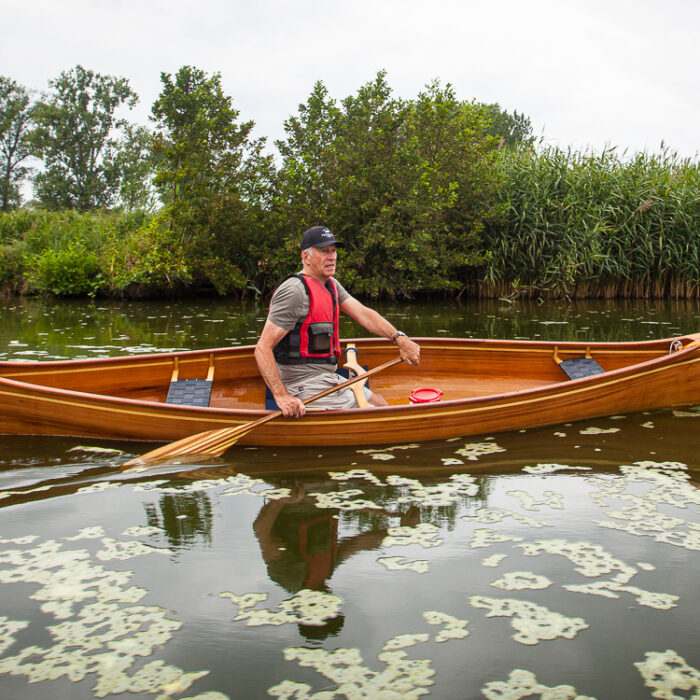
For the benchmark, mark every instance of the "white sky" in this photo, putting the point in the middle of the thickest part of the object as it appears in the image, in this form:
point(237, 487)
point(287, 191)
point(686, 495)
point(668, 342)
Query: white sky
point(588, 73)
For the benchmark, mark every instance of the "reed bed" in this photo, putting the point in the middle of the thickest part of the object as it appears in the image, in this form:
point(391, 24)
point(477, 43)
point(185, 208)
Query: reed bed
point(595, 225)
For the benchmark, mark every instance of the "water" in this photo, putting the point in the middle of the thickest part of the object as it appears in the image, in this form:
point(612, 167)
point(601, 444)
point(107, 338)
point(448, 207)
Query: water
point(460, 568)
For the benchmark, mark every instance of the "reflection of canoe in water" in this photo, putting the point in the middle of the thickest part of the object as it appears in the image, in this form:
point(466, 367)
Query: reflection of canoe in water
point(488, 386)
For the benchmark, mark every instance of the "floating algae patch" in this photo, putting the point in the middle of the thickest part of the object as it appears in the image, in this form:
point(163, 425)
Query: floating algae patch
point(96, 450)
point(545, 468)
point(238, 484)
point(666, 672)
point(306, 607)
point(420, 566)
point(588, 559)
point(447, 493)
point(386, 453)
point(141, 531)
point(99, 486)
point(94, 532)
point(593, 560)
point(523, 684)
point(493, 560)
point(425, 534)
point(401, 678)
point(521, 580)
point(487, 536)
point(99, 630)
point(7, 630)
point(611, 589)
point(114, 549)
point(452, 627)
point(496, 515)
point(532, 623)
point(409, 446)
point(344, 500)
point(641, 516)
point(355, 474)
point(274, 494)
point(473, 450)
point(402, 641)
point(529, 502)
point(598, 431)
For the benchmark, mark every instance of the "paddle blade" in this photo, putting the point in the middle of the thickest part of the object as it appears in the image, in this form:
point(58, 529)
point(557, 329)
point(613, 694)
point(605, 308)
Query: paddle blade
point(211, 443)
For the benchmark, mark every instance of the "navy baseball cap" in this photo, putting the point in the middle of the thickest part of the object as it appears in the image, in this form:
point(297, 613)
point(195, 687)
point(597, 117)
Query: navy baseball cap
point(319, 237)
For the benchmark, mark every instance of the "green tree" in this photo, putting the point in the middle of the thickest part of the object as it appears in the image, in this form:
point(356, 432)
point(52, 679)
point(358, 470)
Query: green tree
point(407, 184)
point(78, 138)
point(514, 129)
point(15, 126)
point(134, 162)
point(212, 176)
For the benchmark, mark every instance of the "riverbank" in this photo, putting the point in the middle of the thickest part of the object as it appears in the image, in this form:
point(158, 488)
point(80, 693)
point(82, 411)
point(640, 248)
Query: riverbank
point(560, 224)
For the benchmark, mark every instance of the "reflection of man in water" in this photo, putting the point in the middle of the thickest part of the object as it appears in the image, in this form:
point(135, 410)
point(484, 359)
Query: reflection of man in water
point(299, 543)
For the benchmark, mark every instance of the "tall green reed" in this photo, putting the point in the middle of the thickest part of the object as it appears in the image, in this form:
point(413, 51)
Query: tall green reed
point(595, 225)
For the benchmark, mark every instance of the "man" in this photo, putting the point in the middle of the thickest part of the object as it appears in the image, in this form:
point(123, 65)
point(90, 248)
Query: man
point(299, 347)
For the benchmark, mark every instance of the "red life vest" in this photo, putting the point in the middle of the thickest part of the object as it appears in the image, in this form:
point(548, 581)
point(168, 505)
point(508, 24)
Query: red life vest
point(314, 339)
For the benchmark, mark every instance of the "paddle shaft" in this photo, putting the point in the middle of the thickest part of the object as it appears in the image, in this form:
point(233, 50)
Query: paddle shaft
point(216, 442)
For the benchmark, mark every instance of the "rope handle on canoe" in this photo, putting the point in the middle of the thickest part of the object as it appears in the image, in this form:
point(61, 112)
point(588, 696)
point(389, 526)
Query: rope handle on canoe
point(677, 346)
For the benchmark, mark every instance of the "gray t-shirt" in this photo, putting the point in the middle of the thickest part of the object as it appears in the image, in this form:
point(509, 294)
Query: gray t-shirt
point(290, 304)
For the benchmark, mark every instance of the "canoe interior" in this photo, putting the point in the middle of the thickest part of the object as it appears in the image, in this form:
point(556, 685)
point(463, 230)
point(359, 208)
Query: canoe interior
point(461, 369)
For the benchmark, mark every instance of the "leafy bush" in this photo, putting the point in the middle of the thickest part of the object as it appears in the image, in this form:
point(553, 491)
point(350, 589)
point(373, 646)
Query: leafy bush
point(70, 271)
point(12, 265)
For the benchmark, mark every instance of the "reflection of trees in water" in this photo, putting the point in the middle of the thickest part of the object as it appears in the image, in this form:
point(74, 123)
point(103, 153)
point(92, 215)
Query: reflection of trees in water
point(185, 518)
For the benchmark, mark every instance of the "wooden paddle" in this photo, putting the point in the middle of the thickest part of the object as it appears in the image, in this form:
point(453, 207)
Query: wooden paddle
point(213, 443)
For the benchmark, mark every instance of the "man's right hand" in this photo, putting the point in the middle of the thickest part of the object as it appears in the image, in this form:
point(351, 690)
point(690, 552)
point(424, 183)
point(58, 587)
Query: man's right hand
point(290, 406)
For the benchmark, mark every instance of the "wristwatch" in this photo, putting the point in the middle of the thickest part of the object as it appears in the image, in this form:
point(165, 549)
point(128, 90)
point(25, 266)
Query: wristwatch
point(396, 335)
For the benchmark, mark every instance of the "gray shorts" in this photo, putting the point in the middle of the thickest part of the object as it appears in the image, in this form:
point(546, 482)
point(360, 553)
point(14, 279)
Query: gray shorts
point(343, 398)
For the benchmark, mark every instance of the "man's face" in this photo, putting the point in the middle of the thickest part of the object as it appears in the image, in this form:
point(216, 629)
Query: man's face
point(321, 262)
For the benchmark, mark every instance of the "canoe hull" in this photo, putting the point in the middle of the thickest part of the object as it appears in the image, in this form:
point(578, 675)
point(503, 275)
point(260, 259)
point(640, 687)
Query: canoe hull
point(524, 389)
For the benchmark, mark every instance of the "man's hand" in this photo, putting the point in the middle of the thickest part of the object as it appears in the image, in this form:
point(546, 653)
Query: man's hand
point(290, 406)
point(409, 351)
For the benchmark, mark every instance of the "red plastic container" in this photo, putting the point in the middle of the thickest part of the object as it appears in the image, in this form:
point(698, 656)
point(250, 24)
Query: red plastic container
point(425, 395)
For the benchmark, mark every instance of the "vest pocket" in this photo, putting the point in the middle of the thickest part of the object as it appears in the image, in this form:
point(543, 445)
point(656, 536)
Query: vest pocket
point(320, 335)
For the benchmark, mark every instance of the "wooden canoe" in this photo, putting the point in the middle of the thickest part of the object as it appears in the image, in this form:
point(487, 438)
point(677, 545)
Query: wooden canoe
point(488, 386)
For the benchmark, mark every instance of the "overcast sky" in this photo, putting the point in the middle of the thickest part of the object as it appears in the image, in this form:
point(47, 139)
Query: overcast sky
point(588, 73)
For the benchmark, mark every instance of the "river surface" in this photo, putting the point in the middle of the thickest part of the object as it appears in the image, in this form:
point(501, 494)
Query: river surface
point(562, 562)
